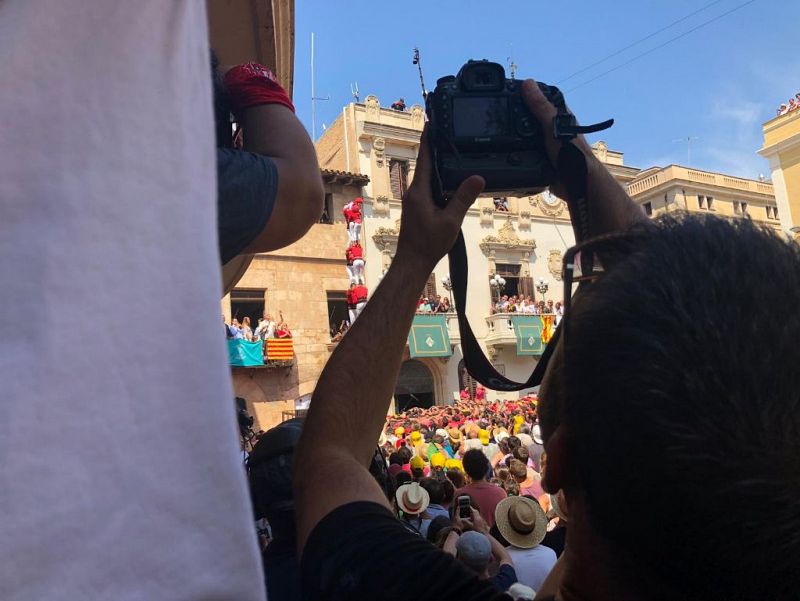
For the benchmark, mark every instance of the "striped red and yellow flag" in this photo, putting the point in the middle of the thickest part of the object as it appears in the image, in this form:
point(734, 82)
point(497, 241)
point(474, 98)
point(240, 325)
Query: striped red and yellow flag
point(547, 328)
point(280, 349)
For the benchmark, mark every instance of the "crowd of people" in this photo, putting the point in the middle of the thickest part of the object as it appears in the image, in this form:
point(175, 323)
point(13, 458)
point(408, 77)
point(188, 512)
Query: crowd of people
point(434, 304)
point(526, 304)
point(267, 328)
point(466, 478)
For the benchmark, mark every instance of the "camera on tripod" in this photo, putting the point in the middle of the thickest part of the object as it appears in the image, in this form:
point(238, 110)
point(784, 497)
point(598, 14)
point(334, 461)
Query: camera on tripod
point(479, 125)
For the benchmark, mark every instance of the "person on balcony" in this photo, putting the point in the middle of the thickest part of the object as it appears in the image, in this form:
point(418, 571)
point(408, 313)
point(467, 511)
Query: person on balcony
point(399, 105)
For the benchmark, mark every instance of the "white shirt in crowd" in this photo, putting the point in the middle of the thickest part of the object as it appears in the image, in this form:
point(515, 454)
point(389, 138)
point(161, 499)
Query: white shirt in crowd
point(122, 475)
point(532, 565)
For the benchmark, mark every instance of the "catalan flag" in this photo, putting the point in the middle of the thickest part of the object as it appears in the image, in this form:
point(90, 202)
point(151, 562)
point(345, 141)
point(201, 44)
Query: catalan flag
point(280, 349)
point(547, 328)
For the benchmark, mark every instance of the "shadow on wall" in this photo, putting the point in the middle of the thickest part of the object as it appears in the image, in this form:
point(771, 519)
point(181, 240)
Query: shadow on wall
point(268, 392)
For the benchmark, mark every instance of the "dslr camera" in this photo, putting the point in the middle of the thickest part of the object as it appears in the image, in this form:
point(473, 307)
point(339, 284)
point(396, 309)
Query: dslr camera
point(479, 125)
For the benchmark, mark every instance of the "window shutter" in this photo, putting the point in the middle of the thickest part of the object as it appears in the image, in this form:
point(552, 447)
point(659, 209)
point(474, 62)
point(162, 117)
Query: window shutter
point(526, 287)
point(398, 177)
point(430, 287)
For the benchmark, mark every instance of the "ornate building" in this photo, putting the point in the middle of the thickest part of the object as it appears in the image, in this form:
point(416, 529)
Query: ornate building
point(674, 188)
point(782, 150)
point(520, 239)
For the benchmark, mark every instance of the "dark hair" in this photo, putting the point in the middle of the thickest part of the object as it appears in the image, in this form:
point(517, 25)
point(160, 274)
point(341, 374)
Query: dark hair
point(401, 478)
point(680, 363)
point(476, 464)
point(437, 524)
point(456, 477)
point(395, 459)
point(405, 454)
point(448, 491)
point(434, 488)
point(521, 453)
point(513, 442)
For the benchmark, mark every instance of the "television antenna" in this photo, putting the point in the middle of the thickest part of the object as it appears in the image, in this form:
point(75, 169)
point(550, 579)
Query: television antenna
point(418, 63)
point(688, 141)
point(314, 96)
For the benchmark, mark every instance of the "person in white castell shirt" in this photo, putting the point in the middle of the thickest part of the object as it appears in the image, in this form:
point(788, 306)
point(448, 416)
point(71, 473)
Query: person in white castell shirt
point(107, 199)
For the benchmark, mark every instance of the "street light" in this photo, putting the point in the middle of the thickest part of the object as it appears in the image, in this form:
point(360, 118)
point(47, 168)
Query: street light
point(448, 285)
point(498, 283)
point(542, 286)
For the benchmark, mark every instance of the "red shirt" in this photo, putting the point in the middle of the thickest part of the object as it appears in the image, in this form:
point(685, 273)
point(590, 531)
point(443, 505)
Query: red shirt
point(487, 495)
point(352, 299)
point(361, 293)
point(353, 253)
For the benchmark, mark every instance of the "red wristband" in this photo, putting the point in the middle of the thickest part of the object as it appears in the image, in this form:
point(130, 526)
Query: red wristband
point(252, 84)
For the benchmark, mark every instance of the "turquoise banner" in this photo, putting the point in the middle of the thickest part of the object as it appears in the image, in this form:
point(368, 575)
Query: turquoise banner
point(245, 354)
point(528, 330)
point(428, 337)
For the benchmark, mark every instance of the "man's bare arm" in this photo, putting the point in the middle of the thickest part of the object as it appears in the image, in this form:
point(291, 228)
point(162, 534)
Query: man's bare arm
point(274, 131)
point(348, 407)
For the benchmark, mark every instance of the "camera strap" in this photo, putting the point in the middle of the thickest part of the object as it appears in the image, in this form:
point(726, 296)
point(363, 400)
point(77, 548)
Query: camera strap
point(571, 169)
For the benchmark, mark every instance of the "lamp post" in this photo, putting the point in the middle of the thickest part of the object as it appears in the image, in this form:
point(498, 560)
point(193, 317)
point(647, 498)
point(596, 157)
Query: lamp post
point(542, 286)
point(498, 283)
point(448, 285)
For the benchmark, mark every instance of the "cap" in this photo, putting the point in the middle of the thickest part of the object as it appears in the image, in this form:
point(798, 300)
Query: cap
point(474, 550)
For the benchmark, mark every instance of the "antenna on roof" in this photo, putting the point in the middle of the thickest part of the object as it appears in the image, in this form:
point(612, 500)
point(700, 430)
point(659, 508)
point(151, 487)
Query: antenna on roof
point(354, 90)
point(688, 140)
point(418, 63)
point(512, 66)
point(314, 97)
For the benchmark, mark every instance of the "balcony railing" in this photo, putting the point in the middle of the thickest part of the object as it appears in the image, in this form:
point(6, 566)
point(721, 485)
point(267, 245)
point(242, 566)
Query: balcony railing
point(500, 330)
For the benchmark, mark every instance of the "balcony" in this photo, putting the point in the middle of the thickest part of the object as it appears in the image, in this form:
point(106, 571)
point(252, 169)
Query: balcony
point(272, 353)
point(527, 333)
point(500, 330)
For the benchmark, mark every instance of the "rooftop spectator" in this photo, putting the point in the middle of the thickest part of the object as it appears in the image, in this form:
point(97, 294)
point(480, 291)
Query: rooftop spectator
point(399, 105)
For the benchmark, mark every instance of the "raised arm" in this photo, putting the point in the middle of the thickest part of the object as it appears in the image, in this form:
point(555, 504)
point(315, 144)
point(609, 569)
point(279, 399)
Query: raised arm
point(353, 392)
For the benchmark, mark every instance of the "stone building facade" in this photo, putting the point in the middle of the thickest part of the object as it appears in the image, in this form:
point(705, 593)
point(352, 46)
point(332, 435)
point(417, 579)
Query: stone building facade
point(523, 244)
point(302, 282)
point(675, 188)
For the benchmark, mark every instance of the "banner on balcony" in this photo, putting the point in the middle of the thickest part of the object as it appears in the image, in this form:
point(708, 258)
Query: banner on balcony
point(428, 337)
point(280, 349)
point(529, 330)
point(245, 354)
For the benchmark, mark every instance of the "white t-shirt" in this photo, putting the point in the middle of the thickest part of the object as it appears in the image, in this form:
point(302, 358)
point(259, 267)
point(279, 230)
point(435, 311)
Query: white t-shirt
point(121, 472)
point(532, 565)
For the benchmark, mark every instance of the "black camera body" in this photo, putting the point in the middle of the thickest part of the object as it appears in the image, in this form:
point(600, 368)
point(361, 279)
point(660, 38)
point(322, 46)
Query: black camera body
point(479, 125)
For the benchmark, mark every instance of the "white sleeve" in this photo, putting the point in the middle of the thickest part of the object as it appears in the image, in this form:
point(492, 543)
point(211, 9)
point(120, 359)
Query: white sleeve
point(121, 474)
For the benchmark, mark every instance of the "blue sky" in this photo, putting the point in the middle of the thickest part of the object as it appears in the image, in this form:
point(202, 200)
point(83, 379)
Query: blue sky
point(719, 83)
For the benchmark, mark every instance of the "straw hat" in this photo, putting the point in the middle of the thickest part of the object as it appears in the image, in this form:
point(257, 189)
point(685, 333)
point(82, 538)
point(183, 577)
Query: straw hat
point(536, 434)
point(412, 498)
point(521, 521)
point(454, 434)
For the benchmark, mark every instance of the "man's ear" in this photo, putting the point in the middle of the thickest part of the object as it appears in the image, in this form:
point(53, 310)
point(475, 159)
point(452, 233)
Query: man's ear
point(559, 464)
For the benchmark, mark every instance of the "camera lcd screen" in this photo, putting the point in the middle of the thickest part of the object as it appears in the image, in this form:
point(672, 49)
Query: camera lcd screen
point(480, 117)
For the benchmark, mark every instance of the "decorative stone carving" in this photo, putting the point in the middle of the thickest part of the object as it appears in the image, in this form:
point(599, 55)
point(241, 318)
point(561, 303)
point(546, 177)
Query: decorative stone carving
point(525, 270)
point(525, 220)
point(507, 239)
point(373, 106)
point(417, 117)
point(486, 208)
point(380, 205)
point(600, 150)
point(555, 264)
point(552, 206)
point(378, 147)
